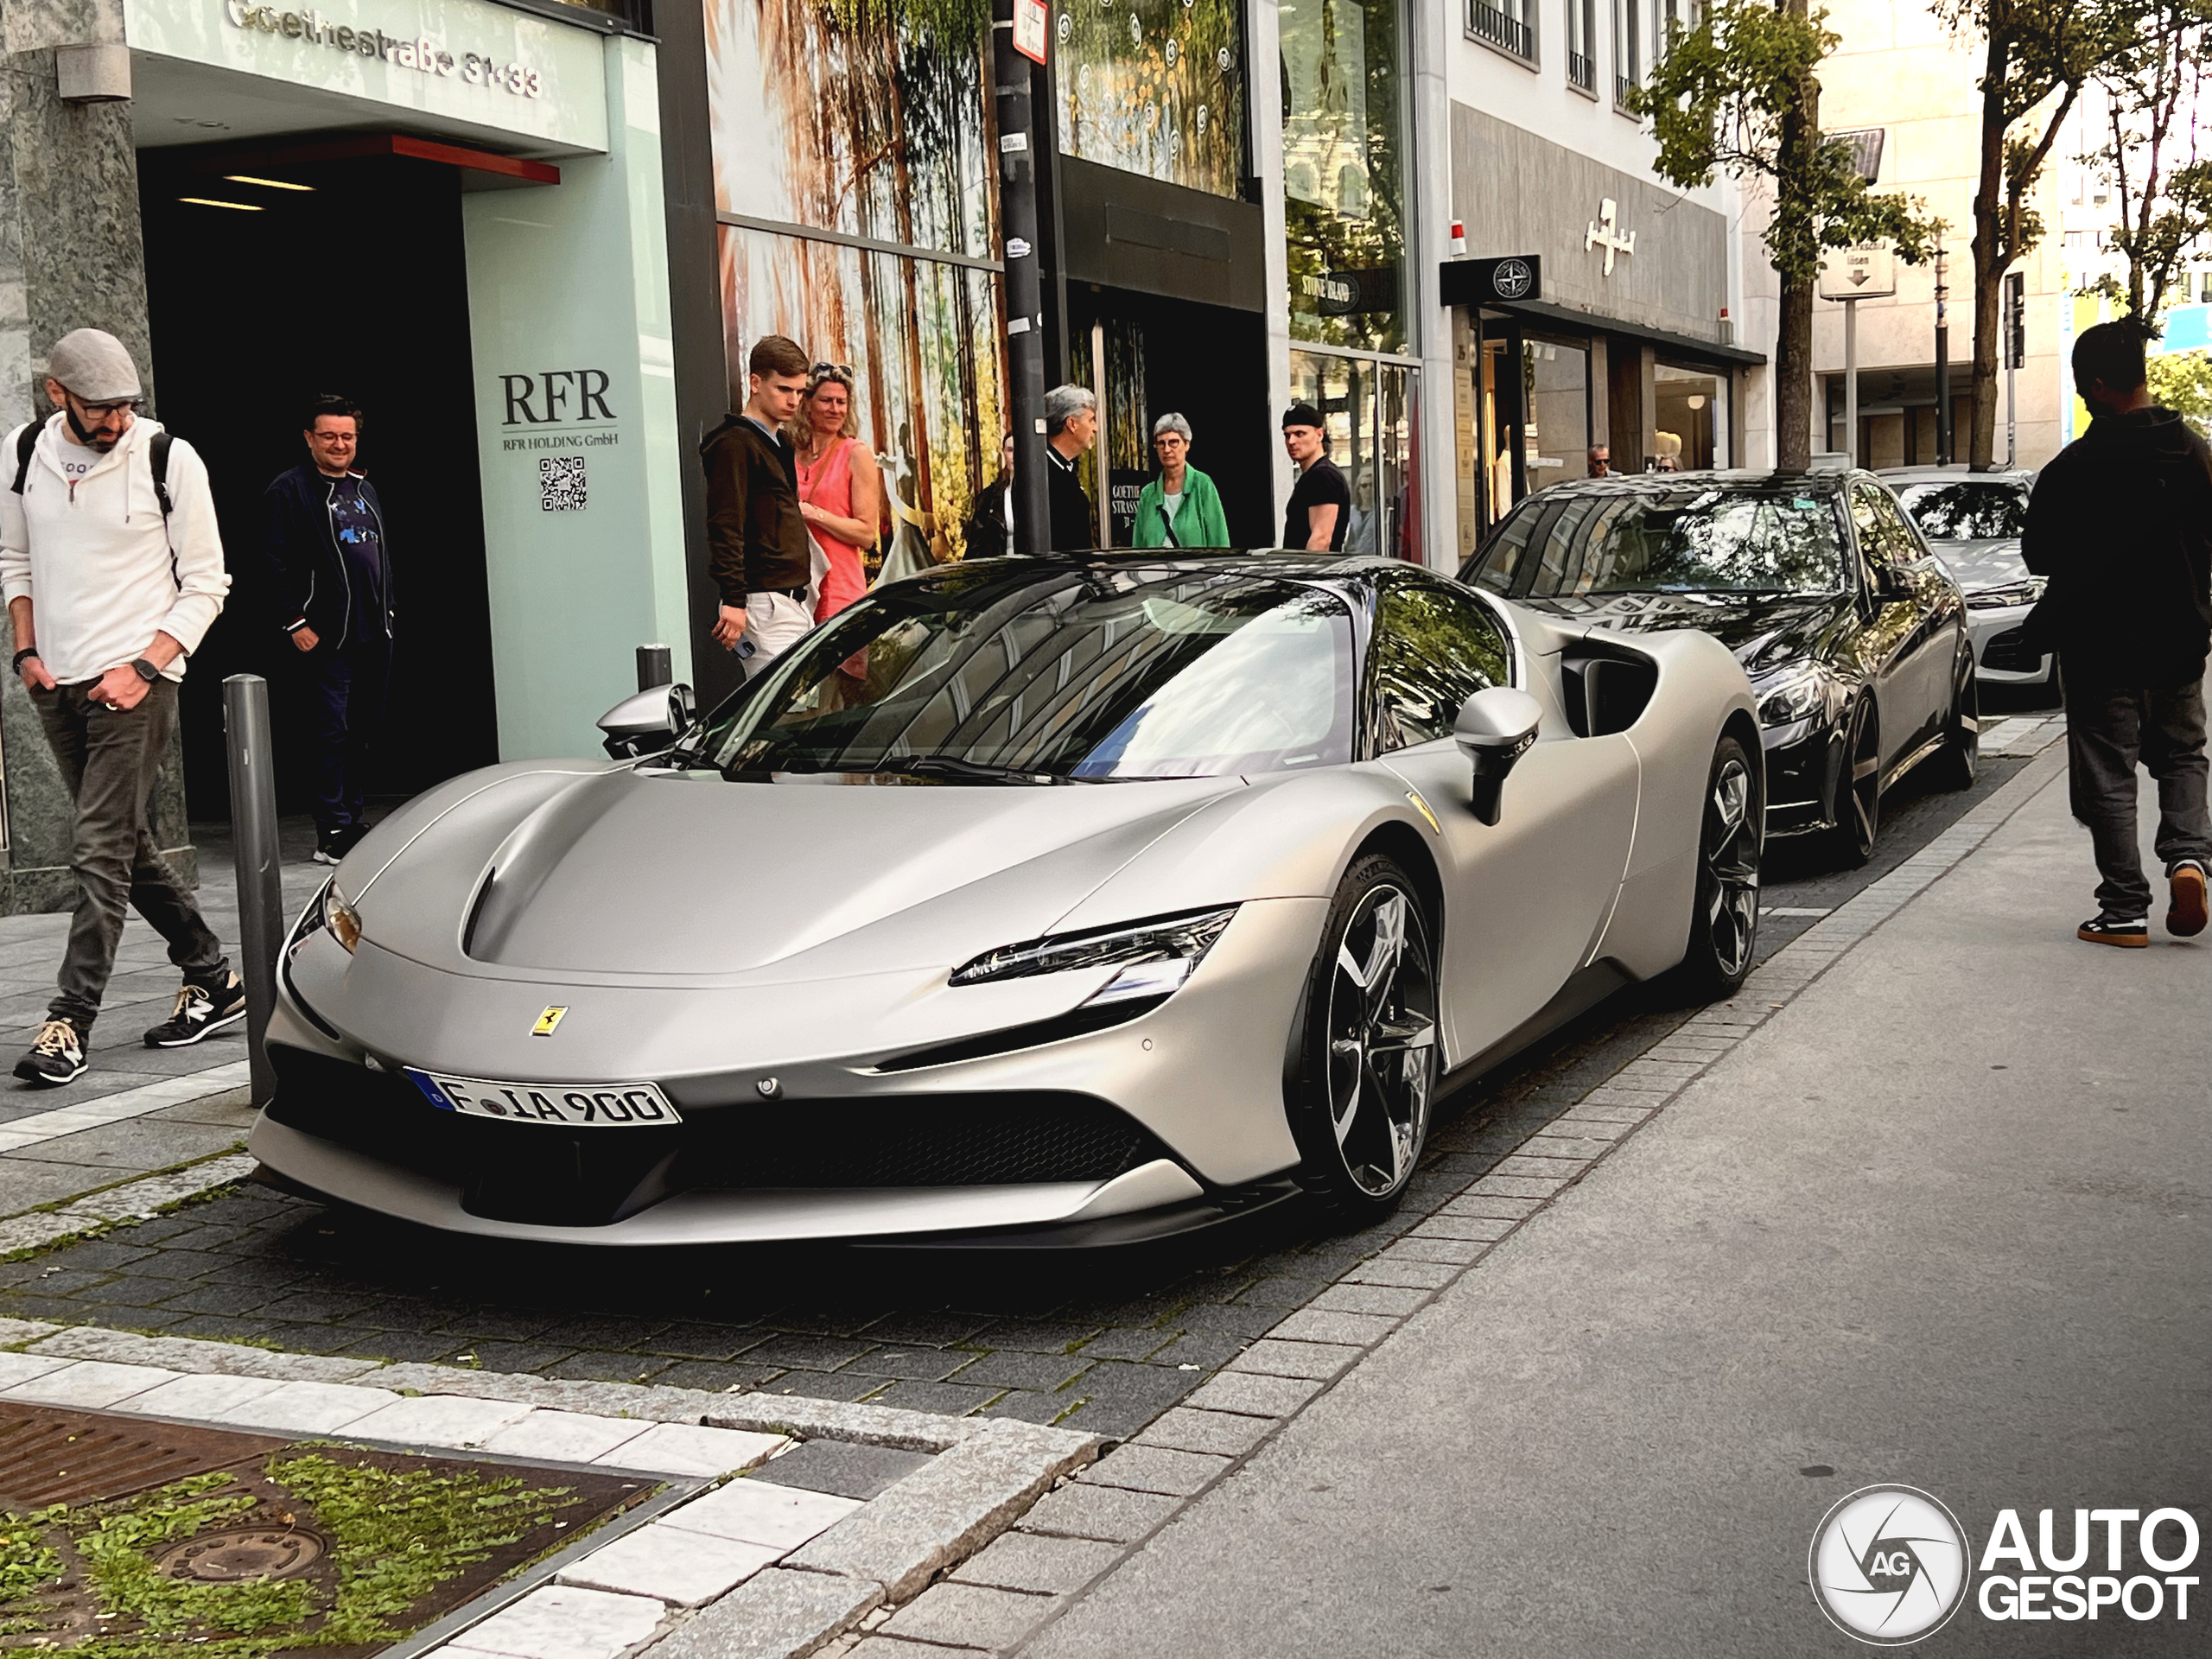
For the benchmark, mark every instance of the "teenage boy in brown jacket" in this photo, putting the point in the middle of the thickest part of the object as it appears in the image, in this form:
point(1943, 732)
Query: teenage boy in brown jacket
point(757, 545)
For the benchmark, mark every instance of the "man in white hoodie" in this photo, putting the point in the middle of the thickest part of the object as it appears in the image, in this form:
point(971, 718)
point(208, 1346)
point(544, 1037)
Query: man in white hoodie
point(113, 569)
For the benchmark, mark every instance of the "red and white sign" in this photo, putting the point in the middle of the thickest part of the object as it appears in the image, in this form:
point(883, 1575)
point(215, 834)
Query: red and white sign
point(1032, 23)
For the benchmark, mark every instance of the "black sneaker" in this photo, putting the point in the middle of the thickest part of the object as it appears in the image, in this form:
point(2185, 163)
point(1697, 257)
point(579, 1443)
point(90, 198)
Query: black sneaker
point(55, 1058)
point(328, 845)
point(2186, 910)
point(199, 1010)
point(2130, 932)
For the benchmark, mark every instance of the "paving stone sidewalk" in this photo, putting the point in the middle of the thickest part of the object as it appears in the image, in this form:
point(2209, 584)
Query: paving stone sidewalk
point(137, 1109)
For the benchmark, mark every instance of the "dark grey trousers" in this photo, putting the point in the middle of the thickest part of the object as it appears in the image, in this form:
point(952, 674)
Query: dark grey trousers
point(109, 762)
point(2109, 730)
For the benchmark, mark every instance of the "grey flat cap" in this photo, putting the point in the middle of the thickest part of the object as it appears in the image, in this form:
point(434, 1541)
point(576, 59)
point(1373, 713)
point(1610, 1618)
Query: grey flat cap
point(94, 365)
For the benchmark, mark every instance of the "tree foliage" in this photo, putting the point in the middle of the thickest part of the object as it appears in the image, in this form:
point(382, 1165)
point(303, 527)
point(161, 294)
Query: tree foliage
point(2152, 80)
point(1719, 101)
point(2037, 55)
point(2182, 381)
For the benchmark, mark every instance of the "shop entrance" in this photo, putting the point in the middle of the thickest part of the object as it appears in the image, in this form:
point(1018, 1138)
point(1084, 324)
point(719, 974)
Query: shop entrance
point(1206, 363)
point(278, 275)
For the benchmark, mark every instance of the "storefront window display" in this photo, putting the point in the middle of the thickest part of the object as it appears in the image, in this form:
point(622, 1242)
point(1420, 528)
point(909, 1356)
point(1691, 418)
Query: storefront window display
point(1692, 407)
point(1343, 192)
point(868, 120)
point(1156, 87)
point(1369, 407)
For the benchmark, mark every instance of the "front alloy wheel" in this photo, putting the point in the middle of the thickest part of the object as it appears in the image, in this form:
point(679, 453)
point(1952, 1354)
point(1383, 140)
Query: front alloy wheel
point(1370, 1058)
point(1725, 925)
point(1859, 789)
point(1962, 755)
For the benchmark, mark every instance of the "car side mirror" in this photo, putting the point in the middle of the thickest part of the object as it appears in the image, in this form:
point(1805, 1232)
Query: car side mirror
point(647, 723)
point(1494, 730)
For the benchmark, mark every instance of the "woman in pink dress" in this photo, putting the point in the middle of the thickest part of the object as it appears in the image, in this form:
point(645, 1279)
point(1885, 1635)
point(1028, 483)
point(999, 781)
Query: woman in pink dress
point(840, 491)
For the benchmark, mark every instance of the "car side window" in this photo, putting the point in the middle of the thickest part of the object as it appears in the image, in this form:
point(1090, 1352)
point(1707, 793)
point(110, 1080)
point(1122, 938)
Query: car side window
point(1882, 532)
point(1866, 522)
point(1901, 535)
point(1433, 648)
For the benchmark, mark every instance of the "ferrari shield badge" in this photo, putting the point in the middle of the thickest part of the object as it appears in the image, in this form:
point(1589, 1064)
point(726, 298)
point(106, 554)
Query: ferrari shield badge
point(548, 1022)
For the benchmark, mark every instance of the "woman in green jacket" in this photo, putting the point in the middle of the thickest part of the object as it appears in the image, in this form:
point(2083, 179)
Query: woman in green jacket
point(1180, 508)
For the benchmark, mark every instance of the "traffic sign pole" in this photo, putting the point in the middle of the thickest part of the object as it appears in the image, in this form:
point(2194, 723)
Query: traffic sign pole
point(1850, 379)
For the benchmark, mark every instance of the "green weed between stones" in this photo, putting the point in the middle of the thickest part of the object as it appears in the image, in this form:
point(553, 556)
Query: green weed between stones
point(395, 1536)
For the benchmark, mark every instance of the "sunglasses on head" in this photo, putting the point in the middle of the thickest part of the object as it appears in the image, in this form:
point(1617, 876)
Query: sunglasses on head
point(839, 371)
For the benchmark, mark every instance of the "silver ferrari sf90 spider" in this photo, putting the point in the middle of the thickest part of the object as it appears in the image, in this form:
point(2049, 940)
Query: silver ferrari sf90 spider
point(1075, 898)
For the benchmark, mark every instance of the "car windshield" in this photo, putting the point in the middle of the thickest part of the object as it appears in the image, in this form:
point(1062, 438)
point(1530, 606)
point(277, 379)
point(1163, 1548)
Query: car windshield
point(1007, 672)
point(1979, 510)
point(1699, 538)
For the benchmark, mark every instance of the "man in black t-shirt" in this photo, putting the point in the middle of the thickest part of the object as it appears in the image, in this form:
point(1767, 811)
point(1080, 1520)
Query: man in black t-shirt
point(1320, 504)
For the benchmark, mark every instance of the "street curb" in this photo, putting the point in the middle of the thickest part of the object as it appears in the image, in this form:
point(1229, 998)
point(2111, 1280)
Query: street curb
point(983, 1474)
point(1119, 1504)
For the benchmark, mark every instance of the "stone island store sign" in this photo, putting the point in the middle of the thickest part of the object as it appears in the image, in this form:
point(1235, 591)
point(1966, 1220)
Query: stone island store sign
point(422, 54)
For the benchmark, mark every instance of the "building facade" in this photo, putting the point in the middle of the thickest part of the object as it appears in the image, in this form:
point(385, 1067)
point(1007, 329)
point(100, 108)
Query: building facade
point(450, 211)
point(1909, 85)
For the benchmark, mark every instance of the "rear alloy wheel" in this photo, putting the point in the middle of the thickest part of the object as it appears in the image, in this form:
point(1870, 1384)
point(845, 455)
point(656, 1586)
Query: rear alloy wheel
point(1962, 758)
point(1858, 790)
point(1368, 1058)
point(1725, 922)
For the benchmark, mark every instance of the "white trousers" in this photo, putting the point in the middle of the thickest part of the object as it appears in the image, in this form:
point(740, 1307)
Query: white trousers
point(773, 622)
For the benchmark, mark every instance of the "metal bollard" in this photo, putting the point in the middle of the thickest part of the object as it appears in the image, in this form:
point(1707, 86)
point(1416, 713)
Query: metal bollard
point(656, 666)
point(260, 862)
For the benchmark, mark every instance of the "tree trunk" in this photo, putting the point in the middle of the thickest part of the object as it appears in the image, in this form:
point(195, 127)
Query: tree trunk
point(1793, 345)
point(1991, 255)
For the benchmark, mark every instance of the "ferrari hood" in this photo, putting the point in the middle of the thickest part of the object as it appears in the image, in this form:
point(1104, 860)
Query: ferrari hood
point(1763, 630)
point(684, 875)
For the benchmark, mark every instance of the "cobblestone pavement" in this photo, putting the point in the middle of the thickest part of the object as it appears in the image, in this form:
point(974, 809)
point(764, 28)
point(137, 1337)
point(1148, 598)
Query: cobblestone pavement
point(1098, 1342)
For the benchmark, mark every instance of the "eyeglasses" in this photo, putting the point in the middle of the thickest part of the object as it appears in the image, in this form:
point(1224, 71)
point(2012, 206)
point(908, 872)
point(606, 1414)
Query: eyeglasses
point(101, 411)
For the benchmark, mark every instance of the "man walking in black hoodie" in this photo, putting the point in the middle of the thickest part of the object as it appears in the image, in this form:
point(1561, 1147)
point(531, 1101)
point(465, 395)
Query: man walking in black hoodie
point(2120, 527)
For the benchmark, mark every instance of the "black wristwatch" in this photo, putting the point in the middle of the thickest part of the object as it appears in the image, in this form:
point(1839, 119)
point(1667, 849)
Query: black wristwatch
point(24, 656)
point(147, 671)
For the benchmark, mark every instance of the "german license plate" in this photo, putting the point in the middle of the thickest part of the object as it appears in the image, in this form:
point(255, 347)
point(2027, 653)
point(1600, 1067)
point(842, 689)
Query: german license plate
point(612, 1105)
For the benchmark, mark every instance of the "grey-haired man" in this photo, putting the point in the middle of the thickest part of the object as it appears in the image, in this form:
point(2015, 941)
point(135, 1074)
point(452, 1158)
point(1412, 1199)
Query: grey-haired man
point(113, 571)
point(1070, 428)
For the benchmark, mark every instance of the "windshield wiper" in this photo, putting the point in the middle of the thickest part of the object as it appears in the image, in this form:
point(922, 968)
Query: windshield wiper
point(947, 765)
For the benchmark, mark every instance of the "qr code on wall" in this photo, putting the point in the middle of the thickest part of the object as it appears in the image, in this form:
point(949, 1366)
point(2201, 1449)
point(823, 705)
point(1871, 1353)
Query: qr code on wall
point(561, 483)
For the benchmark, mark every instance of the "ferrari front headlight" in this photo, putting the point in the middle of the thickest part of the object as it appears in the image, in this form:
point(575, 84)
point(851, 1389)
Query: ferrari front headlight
point(1154, 957)
point(341, 919)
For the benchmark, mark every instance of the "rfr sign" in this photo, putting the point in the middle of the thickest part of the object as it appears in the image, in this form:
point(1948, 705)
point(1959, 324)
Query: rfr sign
point(556, 398)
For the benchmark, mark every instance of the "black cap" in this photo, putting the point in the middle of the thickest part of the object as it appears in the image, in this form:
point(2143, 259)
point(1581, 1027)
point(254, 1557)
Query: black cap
point(1300, 415)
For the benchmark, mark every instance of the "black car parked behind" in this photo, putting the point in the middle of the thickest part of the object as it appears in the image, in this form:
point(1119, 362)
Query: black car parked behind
point(1853, 635)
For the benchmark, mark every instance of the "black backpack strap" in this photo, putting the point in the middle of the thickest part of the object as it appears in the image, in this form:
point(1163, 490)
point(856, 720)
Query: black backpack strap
point(26, 446)
point(157, 454)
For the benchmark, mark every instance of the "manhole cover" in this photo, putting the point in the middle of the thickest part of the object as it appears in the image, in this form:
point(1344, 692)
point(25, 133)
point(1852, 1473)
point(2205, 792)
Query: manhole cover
point(240, 1553)
point(119, 1535)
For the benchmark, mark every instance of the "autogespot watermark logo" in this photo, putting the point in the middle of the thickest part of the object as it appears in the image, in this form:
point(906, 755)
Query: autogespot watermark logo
point(1889, 1564)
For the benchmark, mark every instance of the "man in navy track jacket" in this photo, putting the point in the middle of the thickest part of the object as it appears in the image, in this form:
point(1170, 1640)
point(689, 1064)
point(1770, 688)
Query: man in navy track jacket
point(331, 576)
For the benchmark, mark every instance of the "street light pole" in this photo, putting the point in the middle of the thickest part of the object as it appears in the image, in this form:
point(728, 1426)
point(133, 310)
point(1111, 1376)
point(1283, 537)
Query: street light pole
point(1018, 32)
point(1942, 367)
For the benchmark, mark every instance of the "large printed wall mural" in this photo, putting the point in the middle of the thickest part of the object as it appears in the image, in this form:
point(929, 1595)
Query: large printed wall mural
point(867, 118)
